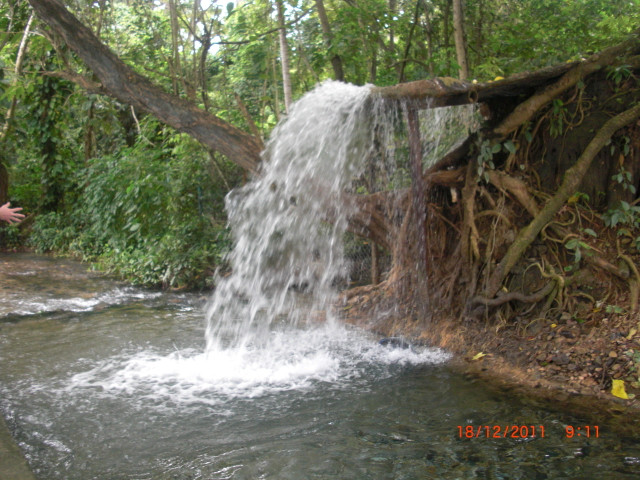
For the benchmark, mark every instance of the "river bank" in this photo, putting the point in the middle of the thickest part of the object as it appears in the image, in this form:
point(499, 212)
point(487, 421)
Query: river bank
point(567, 362)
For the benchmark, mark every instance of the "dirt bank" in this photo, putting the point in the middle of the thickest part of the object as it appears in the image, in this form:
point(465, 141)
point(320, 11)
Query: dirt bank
point(563, 362)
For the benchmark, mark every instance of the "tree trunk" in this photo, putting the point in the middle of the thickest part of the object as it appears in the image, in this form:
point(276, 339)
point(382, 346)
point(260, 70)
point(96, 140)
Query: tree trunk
point(407, 49)
point(175, 62)
point(429, 35)
point(284, 57)
point(336, 61)
point(461, 44)
point(22, 50)
point(122, 83)
point(446, 33)
point(417, 187)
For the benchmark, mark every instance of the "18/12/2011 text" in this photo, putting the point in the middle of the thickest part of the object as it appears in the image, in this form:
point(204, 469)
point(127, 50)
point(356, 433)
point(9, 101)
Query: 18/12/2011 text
point(523, 431)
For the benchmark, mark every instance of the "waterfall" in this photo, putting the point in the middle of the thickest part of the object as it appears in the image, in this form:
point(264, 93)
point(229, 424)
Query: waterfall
point(281, 241)
point(337, 139)
point(270, 326)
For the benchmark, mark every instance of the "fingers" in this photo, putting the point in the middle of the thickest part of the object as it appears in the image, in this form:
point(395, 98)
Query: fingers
point(11, 215)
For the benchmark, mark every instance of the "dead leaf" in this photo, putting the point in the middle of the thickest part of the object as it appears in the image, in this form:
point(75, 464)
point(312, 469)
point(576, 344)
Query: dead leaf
point(617, 389)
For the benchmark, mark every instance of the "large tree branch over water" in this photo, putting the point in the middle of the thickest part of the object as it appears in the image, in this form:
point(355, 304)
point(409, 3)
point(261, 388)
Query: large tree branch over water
point(124, 84)
point(542, 86)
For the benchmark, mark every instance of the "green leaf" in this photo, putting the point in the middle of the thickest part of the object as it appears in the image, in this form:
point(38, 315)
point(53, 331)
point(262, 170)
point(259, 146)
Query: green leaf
point(509, 145)
point(572, 244)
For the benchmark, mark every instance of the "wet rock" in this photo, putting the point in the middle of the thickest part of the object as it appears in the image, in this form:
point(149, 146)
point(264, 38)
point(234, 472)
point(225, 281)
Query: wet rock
point(534, 327)
point(395, 342)
point(560, 359)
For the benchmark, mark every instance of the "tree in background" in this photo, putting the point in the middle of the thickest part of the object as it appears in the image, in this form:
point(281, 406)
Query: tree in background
point(460, 39)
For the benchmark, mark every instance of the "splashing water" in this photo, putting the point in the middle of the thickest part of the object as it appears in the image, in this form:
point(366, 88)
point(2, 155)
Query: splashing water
point(282, 242)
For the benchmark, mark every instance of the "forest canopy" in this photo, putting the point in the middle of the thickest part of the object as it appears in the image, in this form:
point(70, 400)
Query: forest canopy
point(103, 179)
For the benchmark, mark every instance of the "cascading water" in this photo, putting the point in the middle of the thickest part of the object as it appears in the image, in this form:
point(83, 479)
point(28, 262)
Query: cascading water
point(118, 390)
point(282, 243)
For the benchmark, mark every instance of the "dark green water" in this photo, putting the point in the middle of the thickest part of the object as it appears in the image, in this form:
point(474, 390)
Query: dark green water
point(100, 380)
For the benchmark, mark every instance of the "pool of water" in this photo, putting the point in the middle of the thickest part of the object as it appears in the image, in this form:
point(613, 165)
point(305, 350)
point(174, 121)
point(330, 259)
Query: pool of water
point(101, 380)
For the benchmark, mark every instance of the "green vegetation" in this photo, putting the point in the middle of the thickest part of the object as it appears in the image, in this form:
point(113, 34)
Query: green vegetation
point(110, 184)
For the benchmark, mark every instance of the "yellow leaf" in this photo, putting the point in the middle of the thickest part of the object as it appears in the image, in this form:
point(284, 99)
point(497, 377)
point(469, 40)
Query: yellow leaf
point(478, 356)
point(617, 389)
point(554, 325)
point(632, 332)
point(575, 198)
point(498, 78)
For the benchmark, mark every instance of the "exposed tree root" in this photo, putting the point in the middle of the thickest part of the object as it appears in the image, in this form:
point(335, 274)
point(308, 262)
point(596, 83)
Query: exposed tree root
point(514, 296)
point(569, 186)
point(634, 282)
point(470, 235)
point(520, 267)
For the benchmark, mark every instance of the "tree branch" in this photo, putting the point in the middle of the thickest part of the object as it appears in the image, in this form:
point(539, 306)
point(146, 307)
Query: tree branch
point(527, 109)
point(122, 83)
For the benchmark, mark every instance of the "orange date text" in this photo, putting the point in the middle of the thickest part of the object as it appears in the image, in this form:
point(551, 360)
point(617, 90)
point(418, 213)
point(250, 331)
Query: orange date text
point(500, 431)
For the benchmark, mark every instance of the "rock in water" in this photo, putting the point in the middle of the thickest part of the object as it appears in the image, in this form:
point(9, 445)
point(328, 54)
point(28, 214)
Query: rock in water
point(395, 342)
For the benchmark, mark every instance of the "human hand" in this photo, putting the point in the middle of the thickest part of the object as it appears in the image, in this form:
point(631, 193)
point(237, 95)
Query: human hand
point(9, 214)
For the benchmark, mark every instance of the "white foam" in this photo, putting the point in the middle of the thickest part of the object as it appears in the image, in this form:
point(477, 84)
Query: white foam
point(290, 360)
point(115, 296)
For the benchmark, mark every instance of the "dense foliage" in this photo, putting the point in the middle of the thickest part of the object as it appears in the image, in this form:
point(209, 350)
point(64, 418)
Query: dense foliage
point(110, 184)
